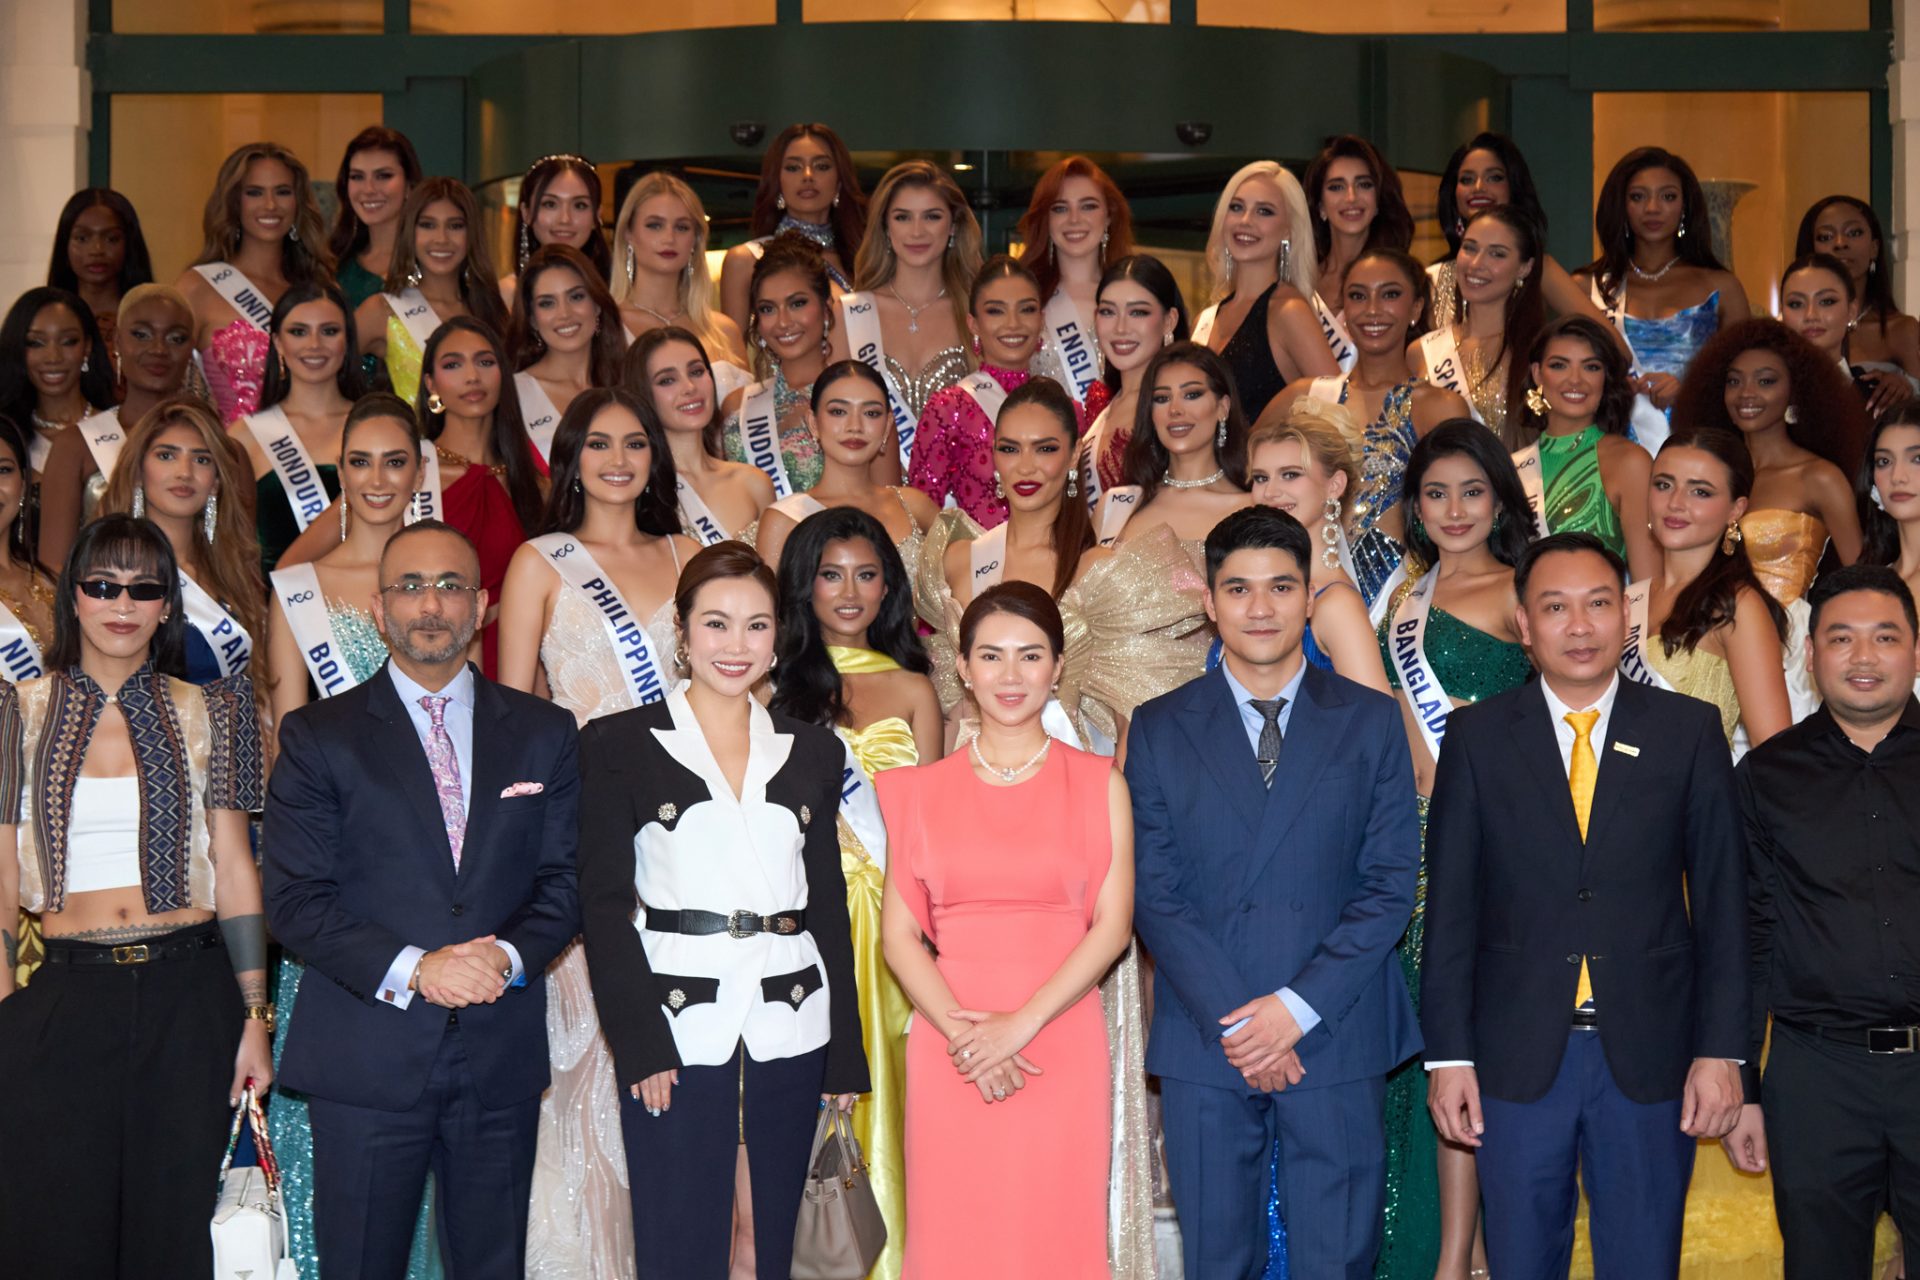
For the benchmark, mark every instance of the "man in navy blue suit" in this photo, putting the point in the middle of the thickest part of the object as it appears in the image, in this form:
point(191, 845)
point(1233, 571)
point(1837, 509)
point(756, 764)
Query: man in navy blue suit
point(1276, 849)
point(419, 856)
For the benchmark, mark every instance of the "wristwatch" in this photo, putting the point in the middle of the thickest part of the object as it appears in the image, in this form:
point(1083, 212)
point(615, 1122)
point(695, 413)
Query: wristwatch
point(262, 1013)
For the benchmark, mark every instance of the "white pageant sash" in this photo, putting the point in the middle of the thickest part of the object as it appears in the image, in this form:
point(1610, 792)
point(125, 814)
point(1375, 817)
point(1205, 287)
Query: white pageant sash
point(232, 646)
point(537, 412)
point(299, 478)
point(1533, 479)
point(728, 378)
point(860, 806)
point(20, 657)
point(1425, 694)
point(1650, 425)
point(1331, 390)
point(103, 436)
point(985, 391)
point(239, 292)
point(1441, 354)
point(697, 516)
point(861, 316)
point(646, 677)
point(1635, 662)
point(427, 502)
point(416, 313)
point(1203, 326)
point(760, 436)
point(301, 600)
point(1334, 330)
point(38, 447)
point(798, 507)
point(987, 555)
point(1073, 346)
point(1115, 510)
point(1377, 611)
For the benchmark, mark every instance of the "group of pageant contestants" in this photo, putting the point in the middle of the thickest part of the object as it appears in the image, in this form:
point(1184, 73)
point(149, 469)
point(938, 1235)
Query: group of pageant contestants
point(562, 731)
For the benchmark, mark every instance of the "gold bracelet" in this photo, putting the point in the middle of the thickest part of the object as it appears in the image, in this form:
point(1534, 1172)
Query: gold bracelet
point(261, 1013)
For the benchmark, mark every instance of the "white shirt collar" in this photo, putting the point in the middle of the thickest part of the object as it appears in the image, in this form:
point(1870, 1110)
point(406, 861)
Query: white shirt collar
point(460, 688)
point(1603, 704)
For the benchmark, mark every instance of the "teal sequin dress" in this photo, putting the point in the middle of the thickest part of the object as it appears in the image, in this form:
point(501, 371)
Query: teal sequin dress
point(1471, 665)
point(1574, 492)
point(364, 652)
point(799, 449)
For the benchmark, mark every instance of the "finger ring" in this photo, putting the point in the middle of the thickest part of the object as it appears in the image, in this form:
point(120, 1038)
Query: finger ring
point(653, 1111)
point(999, 1095)
point(966, 1055)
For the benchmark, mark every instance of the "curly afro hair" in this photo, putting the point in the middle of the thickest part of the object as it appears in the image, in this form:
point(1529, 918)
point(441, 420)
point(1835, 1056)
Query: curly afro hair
point(1828, 418)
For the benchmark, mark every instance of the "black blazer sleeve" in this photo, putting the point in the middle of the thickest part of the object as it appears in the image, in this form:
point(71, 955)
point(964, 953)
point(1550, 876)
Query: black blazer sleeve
point(1453, 898)
point(1762, 882)
point(631, 1016)
point(1717, 897)
point(827, 917)
point(550, 917)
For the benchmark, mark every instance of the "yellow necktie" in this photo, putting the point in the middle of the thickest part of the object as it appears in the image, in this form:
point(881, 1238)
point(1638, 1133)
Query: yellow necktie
point(1582, 772)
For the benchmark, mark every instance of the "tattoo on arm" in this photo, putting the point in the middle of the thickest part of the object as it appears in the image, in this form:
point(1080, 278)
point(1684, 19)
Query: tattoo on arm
point(253, 990)
point(246, 938)
point(11, 945)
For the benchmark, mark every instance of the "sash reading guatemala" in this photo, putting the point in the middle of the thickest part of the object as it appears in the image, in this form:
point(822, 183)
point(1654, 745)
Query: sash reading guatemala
point(646, 678)
point(306, 608)
point(861, 316)
point(1425, 694)
point(239, 292)
point(299, 478)
point(1072, 345)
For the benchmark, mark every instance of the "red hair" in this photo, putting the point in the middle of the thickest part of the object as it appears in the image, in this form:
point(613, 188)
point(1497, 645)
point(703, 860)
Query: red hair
point(1036, 255)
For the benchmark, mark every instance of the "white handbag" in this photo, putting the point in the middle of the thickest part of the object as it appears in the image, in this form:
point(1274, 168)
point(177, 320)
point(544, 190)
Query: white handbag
point(249, 1227)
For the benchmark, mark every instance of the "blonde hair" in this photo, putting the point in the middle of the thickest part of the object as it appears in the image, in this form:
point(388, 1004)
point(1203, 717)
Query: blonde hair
point(696, 282)
point(303, 252)
point(148, 292)
point(1302, 272)
point(875, 264)
point(1327, 431)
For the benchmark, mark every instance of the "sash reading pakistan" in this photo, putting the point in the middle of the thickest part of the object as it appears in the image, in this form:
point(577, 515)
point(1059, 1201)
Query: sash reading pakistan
point(537, 411)
point(646, 677)
point(312, 627)
point(416, 313)
point(1425, 694)
point(300, 479)
point(239, 292)
point(1634, 664)
point(760, 436)
point(103, 436)
point(861, 316)
point(232, 646)
point(1073, 345)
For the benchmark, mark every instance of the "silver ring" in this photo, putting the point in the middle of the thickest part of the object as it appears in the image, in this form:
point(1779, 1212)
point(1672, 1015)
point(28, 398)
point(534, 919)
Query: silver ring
point(966, 1055)
point(999, 1095)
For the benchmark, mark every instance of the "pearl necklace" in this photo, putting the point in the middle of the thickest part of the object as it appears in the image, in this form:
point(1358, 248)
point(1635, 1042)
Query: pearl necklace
point(1008, 775)
point(913, 312)
point(1168, 482)
point(1653, 275)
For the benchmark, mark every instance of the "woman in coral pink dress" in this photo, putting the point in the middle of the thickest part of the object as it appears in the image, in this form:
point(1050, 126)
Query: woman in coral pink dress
point(1011, 861)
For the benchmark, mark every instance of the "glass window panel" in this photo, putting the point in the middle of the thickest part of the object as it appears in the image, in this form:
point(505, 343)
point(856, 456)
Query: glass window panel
point(1148, 11)
point(430, 17)
point(1730, 15)
point(248, 17)
point(1388, 16)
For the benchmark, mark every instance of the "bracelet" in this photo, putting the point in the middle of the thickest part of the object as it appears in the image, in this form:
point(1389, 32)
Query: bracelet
point(261, 1013)
point(413, 979)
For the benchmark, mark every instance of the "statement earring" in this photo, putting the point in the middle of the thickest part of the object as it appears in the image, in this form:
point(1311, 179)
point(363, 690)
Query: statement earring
point(950, 239)
point(83, 364)
point(524, 250)
point(211, 521)
point(1731, 538)
point(414, 277)
point(780, 202)
point(836, 197)
point(139, 501)
point(1681, 234)
point(1073, 481)
point(1537, 401)
point(999, 490)
point(1286, 257)
point(1791, 416)
point(1103, 246)
point(293, 233)
point(1228, 254)
point(1494, 528)
point(343, 519)
point(1220, 433)
point(1330, 534)
point(630, 264)
point(434, 403)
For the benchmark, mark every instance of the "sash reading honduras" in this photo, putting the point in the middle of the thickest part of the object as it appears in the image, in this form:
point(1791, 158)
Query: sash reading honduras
point(232, 646)
point(20, 657)
point(240, 293)
point(697, 516)
point(1334, 330)
point(1634, 664)
point(1073, 345)
point(427, 504)
point(306, 608)
point(861, 316)
point(860, 806)
point(646, 678)
point(760, 436)
point(299, 478)
point(1425, 695)
point(416, 313)
point(1533, 479)
point(537, 411)
point(103, 435)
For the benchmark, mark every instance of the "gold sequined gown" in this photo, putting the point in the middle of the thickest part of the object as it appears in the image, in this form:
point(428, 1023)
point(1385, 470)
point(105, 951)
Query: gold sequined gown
point(1785, 547)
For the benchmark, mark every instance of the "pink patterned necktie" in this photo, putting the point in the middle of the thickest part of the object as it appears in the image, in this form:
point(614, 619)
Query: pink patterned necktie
point(446, 774)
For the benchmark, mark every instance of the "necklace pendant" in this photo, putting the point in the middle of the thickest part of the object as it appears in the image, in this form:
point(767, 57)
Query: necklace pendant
point(913, 324)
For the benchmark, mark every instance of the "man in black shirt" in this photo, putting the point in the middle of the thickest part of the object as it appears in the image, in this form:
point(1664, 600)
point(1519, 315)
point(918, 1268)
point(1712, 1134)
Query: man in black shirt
point(1833, 828)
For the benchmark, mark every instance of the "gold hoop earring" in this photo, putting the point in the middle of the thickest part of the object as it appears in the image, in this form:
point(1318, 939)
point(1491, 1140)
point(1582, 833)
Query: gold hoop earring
point(434, 403)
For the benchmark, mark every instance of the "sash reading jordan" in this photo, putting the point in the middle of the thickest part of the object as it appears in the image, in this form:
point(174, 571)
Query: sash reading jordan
point(299, 478)
point(232, 646)
point(646, 678)
point(760, 436)
point(861, 316)
point(312, 627)
point(1073, 346)
point(1634, 664)
point(1425, 694)
point(416, 313)
point(20, 657)
point(537, 412)
point(103, 436)
point(240, 293)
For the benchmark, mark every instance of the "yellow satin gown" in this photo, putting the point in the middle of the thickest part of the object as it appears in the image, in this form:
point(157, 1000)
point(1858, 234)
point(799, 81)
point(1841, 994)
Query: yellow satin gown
point(879, 1120)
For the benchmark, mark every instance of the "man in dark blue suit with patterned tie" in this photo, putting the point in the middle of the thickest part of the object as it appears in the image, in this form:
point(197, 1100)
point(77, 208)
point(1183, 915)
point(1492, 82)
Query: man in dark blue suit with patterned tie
point(1277, 849)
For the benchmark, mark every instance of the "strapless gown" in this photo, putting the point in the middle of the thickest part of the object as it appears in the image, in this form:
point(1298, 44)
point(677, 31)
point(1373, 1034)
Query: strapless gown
point(235, 364)
point(1667, 345)
point(1785, 547)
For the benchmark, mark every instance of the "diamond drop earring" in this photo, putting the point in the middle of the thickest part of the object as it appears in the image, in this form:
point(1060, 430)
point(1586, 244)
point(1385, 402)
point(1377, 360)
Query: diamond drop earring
point(343, 519)
point(1330, 534)
point(1073, 482)
point(1220, 434)
point(999, 490)
point(630, 264)
point(211, 522)
point(139, 501)
point(293, 233)
point(1286, 257)
point(1792, 415)
point(780, 202)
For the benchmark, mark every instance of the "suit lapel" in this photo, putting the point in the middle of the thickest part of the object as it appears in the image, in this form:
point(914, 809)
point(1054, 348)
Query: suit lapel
point(406, 758)
point(1535, 739)
point(1318, 717)
point(1219, 737)
point(1617, 768)
point(489, 757)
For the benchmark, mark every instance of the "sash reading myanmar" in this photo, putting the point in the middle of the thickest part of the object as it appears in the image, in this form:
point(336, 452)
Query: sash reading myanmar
point(232, 646)
point(760, 436)
point(645, 676)
point(1073, 345)
point(20, 657)
point(306, 608)
point(1634, 664)
point(1425, 694)
point(240, 293)
point(861, 315)
point(537, 411)
point(291, 463)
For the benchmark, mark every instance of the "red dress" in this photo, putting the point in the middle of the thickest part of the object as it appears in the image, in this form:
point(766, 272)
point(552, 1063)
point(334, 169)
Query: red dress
point(477, 504)
point(1003, 881)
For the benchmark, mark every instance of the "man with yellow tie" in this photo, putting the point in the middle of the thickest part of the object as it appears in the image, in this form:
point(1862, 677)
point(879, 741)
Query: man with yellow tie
point(1584, 986)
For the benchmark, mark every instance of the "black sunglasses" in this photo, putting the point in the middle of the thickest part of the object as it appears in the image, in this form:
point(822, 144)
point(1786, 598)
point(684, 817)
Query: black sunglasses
point(144, 592)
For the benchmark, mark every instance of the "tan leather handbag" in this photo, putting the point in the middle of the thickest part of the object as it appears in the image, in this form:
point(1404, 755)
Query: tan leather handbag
point(840, 1232)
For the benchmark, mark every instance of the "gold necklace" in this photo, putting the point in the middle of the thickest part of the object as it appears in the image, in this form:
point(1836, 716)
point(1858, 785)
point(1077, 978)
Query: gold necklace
point(449, 458)
point(42, 593)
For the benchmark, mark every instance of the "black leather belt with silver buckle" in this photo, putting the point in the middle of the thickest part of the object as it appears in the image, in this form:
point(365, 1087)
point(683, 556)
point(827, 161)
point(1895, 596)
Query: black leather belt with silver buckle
point(59, 951)
point(1881, 1040)
point(735, 924)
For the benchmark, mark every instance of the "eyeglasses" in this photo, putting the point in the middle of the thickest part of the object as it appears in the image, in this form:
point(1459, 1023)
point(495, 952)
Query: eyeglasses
point(415, 588)
point(143, 592)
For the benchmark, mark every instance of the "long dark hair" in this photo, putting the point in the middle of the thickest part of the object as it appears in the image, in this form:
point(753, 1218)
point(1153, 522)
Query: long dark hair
point(1145, 459)
point(1695, 246)
point(1828, 418)
point(136, 267)
point(1152, 275)
point(1072, 532)
point(1526, 307)
point(1877, 290)
point(1463, 437)
point(633, 376)
point(849, 215)
point(1880, 533)
point(23, 542)
point(1615, 408)
point(540, 175)
point(1521, 193)
point(351, 379)
point(18, 399)
point(810, 688)
point(131, 545)
point(350, 235)
point(1417, 280)
point(1392, 226)
point(1710, 600)
point(609, 340)
point(479, 288)
point(508, 432)
point(655, 511)
point(788, 251)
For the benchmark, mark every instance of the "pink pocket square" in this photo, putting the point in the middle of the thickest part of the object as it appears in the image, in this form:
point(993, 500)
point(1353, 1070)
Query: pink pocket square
point(522, 789)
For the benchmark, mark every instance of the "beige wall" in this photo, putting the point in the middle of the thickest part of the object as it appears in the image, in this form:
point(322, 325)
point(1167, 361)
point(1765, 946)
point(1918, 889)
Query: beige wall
point(45, 94)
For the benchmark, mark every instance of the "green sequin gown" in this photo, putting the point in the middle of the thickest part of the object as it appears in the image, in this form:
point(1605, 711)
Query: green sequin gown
point(1471, 665)
point(1575, 495)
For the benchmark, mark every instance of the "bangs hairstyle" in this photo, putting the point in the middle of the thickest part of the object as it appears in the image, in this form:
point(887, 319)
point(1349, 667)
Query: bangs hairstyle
point(1417, 280)
point(1001, 267)
point(696, 282)
point(875, 264)
point(18, 398)
point(1513, 516)
point(120, 543)
point(350, 235)
point(1880, 532)
point(609, 338)
point(656, 510)
point(848, 216)
point(788, 251)
point(506, 435)
point(1521, 193)
point(1145, 459)
point(1830, 420)
point(278, 381)
point(1303, 268)
point(136, 267)
point(1037, 253)
point(1709, 601)
point(1392, 226)
point(1876, 291)
point(1615, 409)
point(302, 256)
point(711, 564)
point(1152, 275)
point(1022, 600)
point(1326, 431)
point(380, 404)
point(1072, 532)
point(1610, 221)
point(809, 687)
point(634, 377)
point(479, 287)
point(1526, 307)
point(540, 176)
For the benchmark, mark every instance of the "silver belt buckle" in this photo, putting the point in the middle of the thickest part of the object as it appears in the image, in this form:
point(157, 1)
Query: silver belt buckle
point(738, 919)
point(1908, 1032)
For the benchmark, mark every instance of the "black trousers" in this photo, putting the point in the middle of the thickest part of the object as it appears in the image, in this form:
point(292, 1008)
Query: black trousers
point(113, 1112)
point(680, 1164)
point(1843, 1134)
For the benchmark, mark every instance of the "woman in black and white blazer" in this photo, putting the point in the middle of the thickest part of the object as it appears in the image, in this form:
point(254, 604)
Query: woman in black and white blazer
point(728, 995)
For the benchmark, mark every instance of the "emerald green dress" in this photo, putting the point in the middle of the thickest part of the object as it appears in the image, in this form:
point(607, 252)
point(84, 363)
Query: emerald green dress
point(1576, 497)
point(1471, 665)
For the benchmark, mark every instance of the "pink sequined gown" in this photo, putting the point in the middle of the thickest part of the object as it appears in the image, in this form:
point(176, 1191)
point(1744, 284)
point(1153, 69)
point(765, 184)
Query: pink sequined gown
point(953, 450)
point(235, 363)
